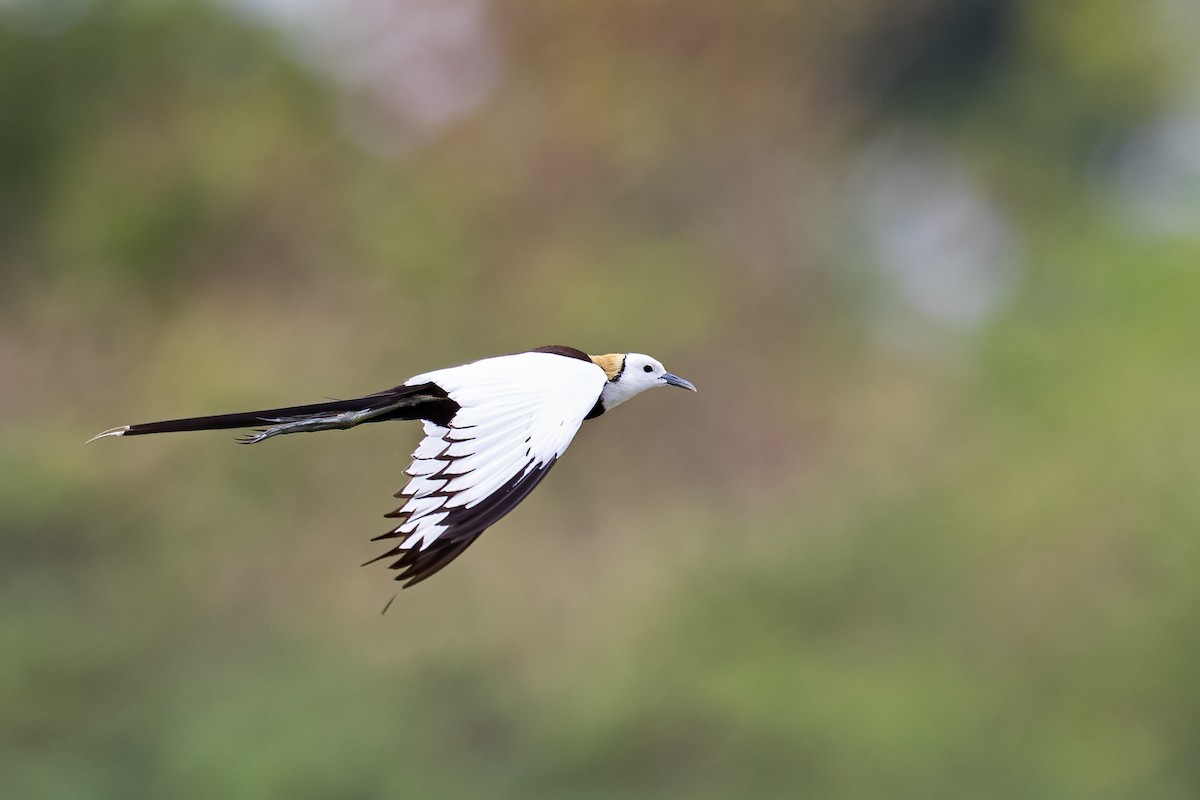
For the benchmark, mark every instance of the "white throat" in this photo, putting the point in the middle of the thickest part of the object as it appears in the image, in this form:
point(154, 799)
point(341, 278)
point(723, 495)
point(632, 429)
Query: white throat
point(616, 392)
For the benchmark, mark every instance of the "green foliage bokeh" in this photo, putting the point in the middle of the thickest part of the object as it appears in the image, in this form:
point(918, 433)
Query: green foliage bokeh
point(876, 556)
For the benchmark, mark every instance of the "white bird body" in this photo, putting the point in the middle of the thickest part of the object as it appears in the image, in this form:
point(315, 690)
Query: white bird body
point(493, 429)
point(516, 416)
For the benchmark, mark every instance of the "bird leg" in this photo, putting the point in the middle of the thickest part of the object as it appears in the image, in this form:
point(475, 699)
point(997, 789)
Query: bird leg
point(320, 422)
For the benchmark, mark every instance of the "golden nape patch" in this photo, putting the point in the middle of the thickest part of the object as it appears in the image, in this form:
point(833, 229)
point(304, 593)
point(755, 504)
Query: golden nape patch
point(612, 364)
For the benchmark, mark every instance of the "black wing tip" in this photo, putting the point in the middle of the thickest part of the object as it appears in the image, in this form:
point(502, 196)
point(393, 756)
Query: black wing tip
point(416, 564)
point(415, 568)
point(466, 525)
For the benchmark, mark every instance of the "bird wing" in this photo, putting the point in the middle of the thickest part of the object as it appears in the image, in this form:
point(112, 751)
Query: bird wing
point(517, 415)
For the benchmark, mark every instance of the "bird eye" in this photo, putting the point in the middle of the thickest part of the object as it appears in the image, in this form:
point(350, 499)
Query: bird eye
point(647, 368)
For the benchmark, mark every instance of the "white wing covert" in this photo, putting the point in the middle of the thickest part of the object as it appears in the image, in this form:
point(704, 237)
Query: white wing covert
point(517, 415)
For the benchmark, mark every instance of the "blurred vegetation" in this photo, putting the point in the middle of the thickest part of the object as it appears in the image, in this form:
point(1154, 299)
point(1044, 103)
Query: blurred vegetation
point(930, 528)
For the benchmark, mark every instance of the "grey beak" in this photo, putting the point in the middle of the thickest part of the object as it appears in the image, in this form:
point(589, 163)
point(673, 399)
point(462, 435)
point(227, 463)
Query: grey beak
point(675, 380)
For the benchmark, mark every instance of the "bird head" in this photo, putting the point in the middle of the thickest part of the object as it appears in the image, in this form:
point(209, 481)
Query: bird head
point(630, 374)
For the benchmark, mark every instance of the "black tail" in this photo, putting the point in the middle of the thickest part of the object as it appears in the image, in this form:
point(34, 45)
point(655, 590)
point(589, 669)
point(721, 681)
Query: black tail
point(425, 401)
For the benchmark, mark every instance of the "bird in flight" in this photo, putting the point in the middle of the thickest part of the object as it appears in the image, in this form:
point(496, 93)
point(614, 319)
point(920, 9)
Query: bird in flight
point(493, 429)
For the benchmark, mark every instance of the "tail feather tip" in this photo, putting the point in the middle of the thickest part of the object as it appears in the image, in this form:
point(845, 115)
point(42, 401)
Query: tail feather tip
point(118, 431)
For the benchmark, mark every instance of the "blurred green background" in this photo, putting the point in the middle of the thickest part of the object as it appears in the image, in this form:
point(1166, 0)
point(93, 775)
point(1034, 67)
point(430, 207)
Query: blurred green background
point(929, 530)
